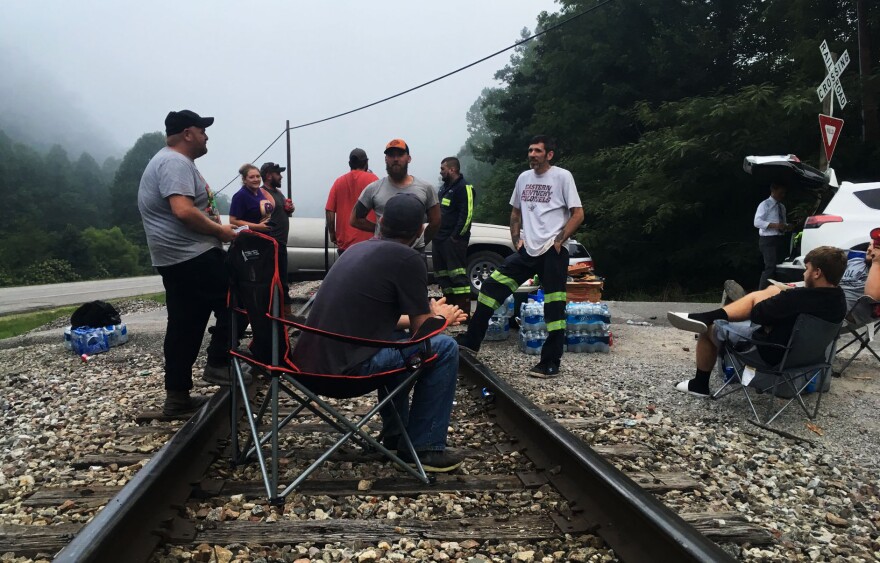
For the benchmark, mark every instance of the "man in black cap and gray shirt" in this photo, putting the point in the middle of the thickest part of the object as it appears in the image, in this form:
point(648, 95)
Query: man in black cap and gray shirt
point(185, 238)
point(279, 221)
point(364, 295)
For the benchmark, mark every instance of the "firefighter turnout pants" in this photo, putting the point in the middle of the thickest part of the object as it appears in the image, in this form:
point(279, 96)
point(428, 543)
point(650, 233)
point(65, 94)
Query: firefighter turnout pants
point(450, 263)
point(552, 268)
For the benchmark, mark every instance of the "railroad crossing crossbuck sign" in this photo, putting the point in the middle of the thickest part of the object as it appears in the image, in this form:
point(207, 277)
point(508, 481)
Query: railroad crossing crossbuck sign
point(832, 79)
point(829, 128)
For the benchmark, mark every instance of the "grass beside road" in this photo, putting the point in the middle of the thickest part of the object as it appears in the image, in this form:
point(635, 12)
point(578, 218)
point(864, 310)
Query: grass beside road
point(20, 323)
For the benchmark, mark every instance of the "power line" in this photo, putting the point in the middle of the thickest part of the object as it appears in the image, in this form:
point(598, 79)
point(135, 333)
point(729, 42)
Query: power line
point(429, 82)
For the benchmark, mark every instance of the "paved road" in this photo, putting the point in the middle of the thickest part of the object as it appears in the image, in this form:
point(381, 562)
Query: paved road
point(33, 297)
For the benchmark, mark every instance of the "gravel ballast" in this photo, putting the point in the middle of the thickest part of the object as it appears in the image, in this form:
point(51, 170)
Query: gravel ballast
point(817, 495)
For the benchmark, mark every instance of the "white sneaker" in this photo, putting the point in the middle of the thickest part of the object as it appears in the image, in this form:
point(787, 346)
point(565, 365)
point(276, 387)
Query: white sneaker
point(684, 387)
point(681, 321)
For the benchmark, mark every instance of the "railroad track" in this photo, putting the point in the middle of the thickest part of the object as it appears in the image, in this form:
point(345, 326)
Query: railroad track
point(528, 480)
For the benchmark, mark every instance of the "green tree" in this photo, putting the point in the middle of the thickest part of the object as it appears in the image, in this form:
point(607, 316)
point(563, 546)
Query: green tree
point(48, 271)
point(123, 192)
point(655, 104)
point(113, 254)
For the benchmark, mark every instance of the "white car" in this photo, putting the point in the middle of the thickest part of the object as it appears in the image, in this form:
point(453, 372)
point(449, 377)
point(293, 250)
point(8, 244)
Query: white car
point(845, 222)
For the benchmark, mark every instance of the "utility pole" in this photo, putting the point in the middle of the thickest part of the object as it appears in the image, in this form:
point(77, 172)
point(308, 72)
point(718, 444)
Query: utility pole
point(870, 127)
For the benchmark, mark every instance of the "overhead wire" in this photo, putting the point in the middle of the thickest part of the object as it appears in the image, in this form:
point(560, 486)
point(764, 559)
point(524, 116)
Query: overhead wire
point(432, 81)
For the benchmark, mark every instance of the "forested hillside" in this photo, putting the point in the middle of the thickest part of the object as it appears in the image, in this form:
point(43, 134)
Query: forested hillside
point(71, 219)
point(655, 105)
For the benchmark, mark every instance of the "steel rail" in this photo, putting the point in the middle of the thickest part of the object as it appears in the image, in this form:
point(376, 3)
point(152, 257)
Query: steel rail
point(132, 524)
point(636, 525)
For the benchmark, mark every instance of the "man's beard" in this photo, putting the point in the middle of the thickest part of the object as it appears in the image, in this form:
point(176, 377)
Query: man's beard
point(397, 176)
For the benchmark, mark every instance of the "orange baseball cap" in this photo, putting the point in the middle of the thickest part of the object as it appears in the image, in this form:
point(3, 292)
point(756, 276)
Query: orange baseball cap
point(397, 144)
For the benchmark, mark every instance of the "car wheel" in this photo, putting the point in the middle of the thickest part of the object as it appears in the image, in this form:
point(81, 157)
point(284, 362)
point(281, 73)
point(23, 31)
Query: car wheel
point(480, 266)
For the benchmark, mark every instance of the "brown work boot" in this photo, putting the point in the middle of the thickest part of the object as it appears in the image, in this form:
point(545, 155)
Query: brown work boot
point(180, 402)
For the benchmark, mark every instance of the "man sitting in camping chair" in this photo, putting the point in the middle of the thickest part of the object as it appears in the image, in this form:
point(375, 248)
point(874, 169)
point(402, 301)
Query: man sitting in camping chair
point(364, 295)
point(765, 316)
point(863, 301)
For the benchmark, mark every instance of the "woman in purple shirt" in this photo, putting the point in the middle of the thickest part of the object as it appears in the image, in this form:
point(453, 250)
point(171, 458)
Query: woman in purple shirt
point(251, 205)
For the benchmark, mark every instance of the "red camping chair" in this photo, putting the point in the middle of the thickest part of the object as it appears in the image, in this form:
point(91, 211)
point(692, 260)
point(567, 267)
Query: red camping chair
point(255, 289)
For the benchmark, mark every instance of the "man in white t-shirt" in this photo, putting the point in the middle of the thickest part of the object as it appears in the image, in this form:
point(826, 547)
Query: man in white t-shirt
point(546, 212)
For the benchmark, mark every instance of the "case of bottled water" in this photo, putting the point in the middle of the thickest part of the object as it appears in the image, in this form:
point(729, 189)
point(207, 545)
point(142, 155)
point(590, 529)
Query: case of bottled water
point(531, 341)
point(532, 316)
point(87, 340)
point(587, 327)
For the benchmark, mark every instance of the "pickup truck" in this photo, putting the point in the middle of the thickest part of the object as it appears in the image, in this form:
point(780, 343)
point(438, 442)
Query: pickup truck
point(310, 252)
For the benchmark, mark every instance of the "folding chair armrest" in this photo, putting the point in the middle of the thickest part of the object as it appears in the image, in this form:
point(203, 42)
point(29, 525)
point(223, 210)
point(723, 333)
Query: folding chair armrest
point(865, 310)
point(762, 344)
point(428, 329)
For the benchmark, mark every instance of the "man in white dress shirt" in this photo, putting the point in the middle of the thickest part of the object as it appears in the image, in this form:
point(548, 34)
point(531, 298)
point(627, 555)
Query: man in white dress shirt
point(771, 224)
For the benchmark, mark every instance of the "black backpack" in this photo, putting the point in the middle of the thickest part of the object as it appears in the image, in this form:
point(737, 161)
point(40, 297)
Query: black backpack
point(95, 314)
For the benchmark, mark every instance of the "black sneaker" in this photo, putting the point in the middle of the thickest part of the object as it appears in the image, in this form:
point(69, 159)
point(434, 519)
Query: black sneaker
point(434, 461)
point(545, 369)
point(462, 341)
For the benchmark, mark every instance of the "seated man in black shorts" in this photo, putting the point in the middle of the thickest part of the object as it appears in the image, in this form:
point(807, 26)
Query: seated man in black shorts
point(767, 315)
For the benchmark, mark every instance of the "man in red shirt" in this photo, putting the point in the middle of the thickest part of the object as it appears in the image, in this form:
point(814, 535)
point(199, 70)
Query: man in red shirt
point(343, 195)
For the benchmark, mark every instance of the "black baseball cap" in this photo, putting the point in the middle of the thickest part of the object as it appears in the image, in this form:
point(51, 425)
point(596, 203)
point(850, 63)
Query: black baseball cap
point(357, 155)
point(271, 167)
point(404, 213)
point(177, 121)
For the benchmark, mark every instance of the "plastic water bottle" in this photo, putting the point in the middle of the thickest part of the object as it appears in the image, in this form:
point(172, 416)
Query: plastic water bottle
point(68, 343)
point(534, 342)
point(571, 342)
point(508, 306)
point(121, 333)
point(533, 317)
point(498, 329)
point(110, 334)
point(727, 371)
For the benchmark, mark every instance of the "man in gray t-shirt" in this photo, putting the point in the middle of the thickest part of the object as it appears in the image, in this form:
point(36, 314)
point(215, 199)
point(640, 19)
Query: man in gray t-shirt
point(377, 194)
point(184, 235)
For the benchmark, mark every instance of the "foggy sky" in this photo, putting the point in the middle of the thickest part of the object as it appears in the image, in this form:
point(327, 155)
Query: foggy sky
point(110, 71)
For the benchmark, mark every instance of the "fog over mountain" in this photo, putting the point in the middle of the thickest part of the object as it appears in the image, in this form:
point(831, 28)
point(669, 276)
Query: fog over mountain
point(98, 74)
point(37, 110)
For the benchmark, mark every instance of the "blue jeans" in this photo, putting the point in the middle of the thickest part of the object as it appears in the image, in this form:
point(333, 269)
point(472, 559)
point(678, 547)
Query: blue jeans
point(427, 417)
